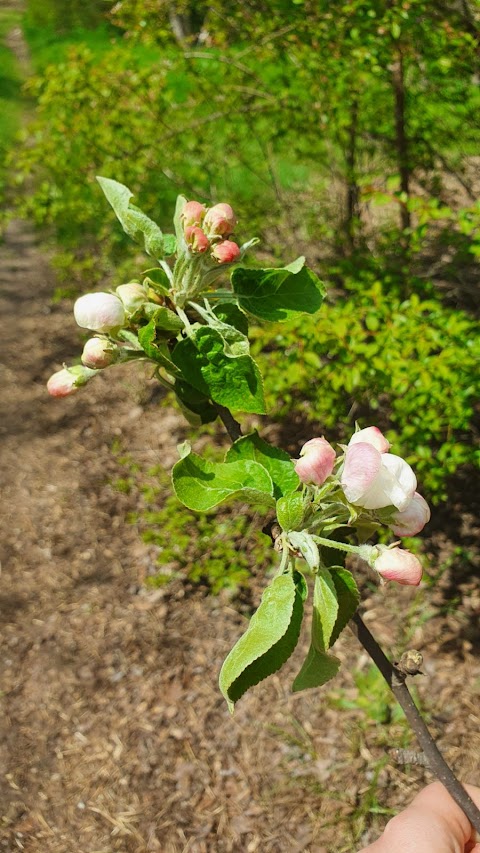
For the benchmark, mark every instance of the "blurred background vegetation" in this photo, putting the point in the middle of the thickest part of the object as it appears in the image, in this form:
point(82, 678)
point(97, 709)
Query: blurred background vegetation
point(347, 132)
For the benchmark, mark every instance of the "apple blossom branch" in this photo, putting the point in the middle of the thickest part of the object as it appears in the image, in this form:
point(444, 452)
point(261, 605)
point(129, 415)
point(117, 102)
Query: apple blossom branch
point(395, 678)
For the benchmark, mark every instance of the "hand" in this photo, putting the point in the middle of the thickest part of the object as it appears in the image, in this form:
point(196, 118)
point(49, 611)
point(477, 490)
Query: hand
point(432, 823)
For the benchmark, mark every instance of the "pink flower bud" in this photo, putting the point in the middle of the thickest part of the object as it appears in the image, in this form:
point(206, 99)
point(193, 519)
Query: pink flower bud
point(68, 380)
point(99, 353)
point(193, 213)
point(133, 296)
point(396, 564)
point(196, 239)
point(317, 458)
point(226, 252)
point(373, 436)
point(220, 221)
point(374, 480)
point(101, 312)
point(413, 519)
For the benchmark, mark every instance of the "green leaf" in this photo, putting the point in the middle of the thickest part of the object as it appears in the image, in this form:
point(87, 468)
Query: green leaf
point(325, 610)
point(231, 314)
point(270, 638)
point(290, 511)
point(169, 244)
point(277, 294)
point(202, 485)
point(164, 319)
point(348, 598)
point(134, 222)
point(276, 461)
point(231, 381)
point(234, 342)
point(317, 669)
point(303, 541)
point(156, 350)
point(195, 406)
point(157, 279)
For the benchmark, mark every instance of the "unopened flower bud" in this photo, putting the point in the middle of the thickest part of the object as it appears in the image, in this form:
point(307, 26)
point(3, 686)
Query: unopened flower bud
point(317, 458)
point(68, 380)
point(133, 296)
point(193, 213)
point(226, 252)
point(396, 564)
point(413, 519)
point(197, 240)
point(371, 435)
point(100, 312)
point(99, 353)
point(219, 221)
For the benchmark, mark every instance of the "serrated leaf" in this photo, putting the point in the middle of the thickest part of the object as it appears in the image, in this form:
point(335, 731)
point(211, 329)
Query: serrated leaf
point(325, 610)
point(231, 381)
point(290, 511)
point(276, 461)
point(303, 542)
point(195, 406)
point(269, 641)
point(157, 279)
point(235, 342)
point(164, 319)
point(134, 222)
point(231, 314)
point(156, 350)
point(348, 598)
point(201, 485)
point(318, 668)
point(277, 294)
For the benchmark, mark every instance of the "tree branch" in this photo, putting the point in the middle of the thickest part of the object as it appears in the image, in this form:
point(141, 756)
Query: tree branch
point(395, 679)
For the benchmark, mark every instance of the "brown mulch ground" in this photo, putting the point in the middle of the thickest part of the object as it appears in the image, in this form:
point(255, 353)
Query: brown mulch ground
point(113, 734)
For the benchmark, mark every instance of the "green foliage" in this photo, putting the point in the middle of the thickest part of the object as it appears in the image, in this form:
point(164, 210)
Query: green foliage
point(217, 549)
point(134, 222)
point(270, 638)
point(202, 485)
point(411, 362)
point(278, 294)
point(213, 369)
point(278, 463)
point(10, 91)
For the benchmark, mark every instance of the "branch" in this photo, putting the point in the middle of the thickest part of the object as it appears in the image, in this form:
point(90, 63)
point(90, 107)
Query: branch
point(395, 679)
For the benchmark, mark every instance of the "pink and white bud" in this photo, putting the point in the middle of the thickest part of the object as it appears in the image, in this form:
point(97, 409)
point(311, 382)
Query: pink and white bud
point(68, 380)
point(99, 353)
point(100, 312)
point(371, 435)
point(133, 295)
point(197, 240)
point(193, 213)
point(317, 458)
point(373, 480)
point(413, 519)
point(220, 221)
point(396, 564)
point(226, 252)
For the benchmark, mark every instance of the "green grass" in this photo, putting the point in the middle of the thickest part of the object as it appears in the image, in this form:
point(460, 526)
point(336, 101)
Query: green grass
point(11, 100)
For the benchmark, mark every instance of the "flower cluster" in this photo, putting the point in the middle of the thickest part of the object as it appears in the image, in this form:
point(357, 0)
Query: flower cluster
point(379, 486)
point(207, 229)
point(106, 314)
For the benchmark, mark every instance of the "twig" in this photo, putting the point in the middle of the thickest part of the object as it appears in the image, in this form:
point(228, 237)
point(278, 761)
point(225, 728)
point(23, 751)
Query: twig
point(231, 425)
point(396, 681)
